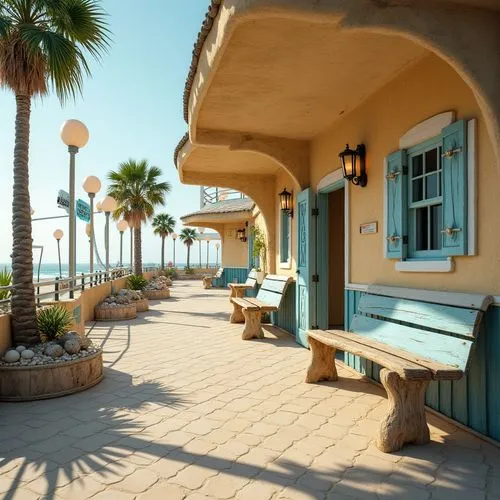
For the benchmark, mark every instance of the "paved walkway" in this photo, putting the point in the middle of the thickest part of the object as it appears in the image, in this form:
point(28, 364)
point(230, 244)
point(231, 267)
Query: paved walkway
point(189, 410)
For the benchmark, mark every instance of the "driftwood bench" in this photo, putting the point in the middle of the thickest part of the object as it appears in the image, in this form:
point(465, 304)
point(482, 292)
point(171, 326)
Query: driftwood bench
point(207, 280)
point(415, 342)
point(238, 289)
point(250, 310)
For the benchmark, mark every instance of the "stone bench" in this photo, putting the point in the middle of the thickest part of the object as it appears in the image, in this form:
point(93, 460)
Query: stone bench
point(415, 342)
point(207, 280)
point(250, 310)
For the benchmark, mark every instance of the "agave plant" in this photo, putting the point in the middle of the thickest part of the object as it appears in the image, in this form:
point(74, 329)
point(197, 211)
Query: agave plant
point(53, 322)
point(5, 280)
point(136, 282)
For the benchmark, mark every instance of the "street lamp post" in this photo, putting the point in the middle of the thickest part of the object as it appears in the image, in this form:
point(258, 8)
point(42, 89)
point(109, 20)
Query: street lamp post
point(75, 135)
point(121, 226)
point(217, 246)
point(108, 205)
point(58, 234)
point(201, 230)
point(91, 185)
point(208, 244)
point(174, 237)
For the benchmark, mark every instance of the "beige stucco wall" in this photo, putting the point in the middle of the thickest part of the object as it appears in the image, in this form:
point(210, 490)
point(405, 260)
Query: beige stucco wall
point(429, 88)
point(234, 251)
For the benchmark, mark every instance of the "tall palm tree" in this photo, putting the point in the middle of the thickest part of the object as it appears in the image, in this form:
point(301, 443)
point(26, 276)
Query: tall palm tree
point(43, 45)
point(188, 237)
point(137, 189)
point(163, 225)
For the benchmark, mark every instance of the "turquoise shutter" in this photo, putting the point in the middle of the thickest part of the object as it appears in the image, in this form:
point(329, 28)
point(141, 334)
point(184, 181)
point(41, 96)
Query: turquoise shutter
point(454, 189)
point(396, 188)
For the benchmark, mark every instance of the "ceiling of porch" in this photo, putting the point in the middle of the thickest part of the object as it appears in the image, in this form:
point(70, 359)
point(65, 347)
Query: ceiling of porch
point(285, 78)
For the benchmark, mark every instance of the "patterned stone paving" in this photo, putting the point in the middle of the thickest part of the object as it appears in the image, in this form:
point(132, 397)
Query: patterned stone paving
point(188, 410)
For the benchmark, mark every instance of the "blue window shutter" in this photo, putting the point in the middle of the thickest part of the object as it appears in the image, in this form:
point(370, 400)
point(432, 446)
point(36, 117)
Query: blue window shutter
point(396, 189)
point(454, 189)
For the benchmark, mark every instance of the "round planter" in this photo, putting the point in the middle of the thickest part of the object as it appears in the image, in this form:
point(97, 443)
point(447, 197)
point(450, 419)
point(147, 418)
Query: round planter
point(142, 305)
point(127, 311)
point(28, 383)
point(156, 294)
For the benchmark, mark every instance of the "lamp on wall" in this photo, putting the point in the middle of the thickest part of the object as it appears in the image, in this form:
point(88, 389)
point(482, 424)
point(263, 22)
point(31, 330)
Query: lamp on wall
point(241, 235)
point(353, 164)
point(286, 202)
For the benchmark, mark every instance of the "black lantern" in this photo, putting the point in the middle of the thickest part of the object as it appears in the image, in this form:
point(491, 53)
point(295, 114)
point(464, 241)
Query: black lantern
point(286, 202)
point(353, 165)
point(241, 235)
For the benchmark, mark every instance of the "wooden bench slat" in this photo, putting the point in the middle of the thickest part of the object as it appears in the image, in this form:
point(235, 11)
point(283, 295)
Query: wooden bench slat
point(274, 286)
point(251, 282)
point(406, 369)
point(239, 285)
point(439, 370)
point(245, 303)
point(264, 306)
point(443, 349)
point(270, 298)
point(450, 319)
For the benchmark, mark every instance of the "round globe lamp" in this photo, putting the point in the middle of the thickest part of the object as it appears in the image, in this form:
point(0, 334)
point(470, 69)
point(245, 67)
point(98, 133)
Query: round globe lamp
point(121, 225)
point(74, 133)
point(58, 234)
point(91, 185)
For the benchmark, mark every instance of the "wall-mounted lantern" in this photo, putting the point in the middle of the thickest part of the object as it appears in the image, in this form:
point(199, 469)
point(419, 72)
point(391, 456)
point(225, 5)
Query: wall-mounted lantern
point(241, 235)
point(286, 202)
point(353, 165)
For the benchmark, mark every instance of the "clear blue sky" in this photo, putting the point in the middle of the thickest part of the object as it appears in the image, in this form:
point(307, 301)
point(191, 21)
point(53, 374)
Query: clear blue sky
point(133, 109)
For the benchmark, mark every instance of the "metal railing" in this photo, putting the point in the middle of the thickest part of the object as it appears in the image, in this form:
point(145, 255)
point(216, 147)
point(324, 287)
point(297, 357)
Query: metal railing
point(211, 195)
point(54, 290)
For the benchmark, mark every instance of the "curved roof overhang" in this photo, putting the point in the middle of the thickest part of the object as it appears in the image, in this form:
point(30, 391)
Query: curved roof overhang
point(289, 69)
point(208, 220)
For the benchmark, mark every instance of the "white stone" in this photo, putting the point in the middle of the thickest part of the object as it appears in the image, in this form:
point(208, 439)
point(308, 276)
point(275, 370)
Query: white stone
point(27, 354)
point(20, 348)
point(54, 351)
point(11, 356)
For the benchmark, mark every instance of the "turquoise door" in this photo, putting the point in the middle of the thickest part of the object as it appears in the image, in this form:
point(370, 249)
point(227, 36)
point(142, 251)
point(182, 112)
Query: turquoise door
point(305, 300)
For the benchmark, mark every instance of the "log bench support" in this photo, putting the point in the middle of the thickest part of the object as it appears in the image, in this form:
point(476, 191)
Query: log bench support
point(207, 282)
point(322, 365)
point(404, 421)
point(237, 314)
point(253, 327)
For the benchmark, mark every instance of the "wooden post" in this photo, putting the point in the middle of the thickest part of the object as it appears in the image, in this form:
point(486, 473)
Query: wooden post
point(56, 290)
point(253, 327)
point(322, 365)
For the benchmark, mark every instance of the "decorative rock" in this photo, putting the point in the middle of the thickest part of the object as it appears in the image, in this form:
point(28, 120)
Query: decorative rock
point(72, 346)
point(69, 336)
point(20, 348)
point(85, 342)
point(27, 354)
point(54, 351)
point(11, 356)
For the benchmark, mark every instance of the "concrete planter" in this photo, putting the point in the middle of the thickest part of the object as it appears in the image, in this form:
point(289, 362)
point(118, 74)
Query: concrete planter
point(28, 383)
point(142, 305)
point(127, 311)
point(156, 294)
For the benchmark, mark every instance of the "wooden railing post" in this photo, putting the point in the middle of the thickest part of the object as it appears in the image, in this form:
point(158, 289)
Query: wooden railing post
point(56, 290)
point(83, 282)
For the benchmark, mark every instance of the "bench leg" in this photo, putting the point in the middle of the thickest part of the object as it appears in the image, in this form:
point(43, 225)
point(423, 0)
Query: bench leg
point(253, 327)
point(322, 365)
point(236, 293)
point(404, 421)
point(237, 314)
point(207, 283)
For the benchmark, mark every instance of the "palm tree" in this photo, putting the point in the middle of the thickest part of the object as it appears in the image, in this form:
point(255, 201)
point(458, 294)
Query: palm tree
point(188, 237)
point(163, 225)
point(43, 45)
point(137, 189)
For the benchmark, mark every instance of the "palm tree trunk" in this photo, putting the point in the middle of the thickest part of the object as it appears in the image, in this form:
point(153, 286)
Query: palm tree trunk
point(162, 253)
point(137, 251)
point(189, 252)
point(24, 329)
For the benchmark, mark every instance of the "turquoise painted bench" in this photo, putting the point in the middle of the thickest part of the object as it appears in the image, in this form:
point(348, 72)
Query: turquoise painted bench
point(239, 289)
point(249, 310)
point(207, 280)
point(425, 336)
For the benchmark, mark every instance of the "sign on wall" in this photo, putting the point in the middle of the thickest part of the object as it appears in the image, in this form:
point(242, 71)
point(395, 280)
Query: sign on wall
point(368, 228)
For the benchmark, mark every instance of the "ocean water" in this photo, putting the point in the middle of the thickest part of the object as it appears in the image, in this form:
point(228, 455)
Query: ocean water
point(51, 271)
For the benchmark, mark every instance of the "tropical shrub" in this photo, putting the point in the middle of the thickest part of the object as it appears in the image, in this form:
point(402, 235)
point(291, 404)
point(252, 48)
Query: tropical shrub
point(5, 280)
point(53, 322)
point(136, 282)
point(189, 270)
point(259, 248)
point(170, 272)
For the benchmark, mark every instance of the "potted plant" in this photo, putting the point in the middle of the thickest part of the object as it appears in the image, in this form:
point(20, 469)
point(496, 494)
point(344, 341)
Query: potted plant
point(259, 253)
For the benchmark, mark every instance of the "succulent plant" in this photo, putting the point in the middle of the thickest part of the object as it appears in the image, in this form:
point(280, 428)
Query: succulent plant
point(53, 322)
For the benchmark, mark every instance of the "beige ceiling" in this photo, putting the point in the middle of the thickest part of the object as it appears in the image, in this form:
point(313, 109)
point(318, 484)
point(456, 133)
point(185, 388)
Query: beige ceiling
point(293, 79)
point(219, 160)
point(488, 4)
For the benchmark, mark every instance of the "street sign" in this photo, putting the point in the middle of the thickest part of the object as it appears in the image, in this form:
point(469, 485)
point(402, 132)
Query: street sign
point(83, 211)
point(63, 200)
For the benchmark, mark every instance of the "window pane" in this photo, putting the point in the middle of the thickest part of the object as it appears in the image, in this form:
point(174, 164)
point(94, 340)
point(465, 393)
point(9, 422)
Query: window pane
point(418, 190)
point(421, 226)
point(431, 186)
point(417, 163)
point(436, 226)
point(431, 160)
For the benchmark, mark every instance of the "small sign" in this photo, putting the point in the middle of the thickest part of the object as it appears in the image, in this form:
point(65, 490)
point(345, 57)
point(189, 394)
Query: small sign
point(83, 211)
point(63, 200)
point(368, 228)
